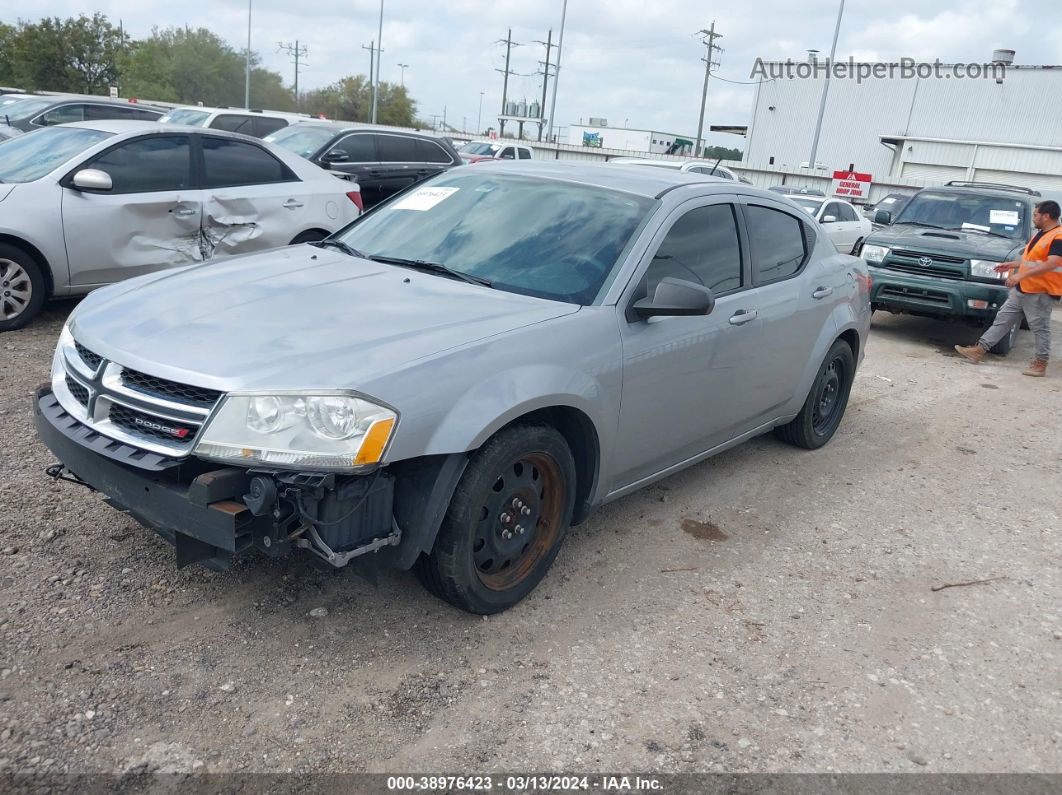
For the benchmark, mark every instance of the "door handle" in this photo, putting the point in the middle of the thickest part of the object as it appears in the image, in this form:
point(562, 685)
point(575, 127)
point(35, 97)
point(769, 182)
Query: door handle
point(743, 316)
point(291, 204)
point(822, 292)
point(183, 212)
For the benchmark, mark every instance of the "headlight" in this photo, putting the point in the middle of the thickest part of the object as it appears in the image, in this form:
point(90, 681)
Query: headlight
point(327, 430)
point(874, 255)
point(986, 269)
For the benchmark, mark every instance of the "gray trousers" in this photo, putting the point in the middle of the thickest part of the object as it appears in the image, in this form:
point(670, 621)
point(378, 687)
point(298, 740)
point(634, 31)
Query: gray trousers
point(1037, 311)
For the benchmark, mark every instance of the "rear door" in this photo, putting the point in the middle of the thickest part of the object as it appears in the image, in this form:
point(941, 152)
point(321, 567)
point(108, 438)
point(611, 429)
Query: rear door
point(398, 167)
point(251, 200)
point(149, 220)
point(433, 158)
point(794, 292)
point(234, 122)
point(853, 226)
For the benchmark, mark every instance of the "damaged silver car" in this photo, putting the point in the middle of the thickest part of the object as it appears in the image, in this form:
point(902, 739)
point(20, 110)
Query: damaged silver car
point(88, 204)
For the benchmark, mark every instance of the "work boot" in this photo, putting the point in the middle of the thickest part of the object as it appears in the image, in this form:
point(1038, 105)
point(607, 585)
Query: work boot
point(974, 353)
point(1037, 368)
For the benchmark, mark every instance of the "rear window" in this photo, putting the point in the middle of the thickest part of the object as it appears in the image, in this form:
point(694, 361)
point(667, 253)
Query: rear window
point(303, 139)
point(777, 242)
point(31, 156)
point(233, 123)
point(431, 152)
point(396, 149)
point(227, 163)
point(192, 118)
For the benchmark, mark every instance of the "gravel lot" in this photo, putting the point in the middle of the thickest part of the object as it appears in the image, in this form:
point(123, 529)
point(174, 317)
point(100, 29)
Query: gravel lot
point(769, 610)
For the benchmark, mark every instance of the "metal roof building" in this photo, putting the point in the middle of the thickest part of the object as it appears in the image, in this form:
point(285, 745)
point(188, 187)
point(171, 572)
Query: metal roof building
point(935, 128)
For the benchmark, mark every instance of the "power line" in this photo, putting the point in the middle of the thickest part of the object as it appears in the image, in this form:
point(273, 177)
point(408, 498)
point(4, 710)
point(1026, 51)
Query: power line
point(297, 52)
point(548, 44)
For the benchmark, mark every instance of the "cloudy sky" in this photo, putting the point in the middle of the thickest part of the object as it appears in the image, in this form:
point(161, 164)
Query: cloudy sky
point(634, 62)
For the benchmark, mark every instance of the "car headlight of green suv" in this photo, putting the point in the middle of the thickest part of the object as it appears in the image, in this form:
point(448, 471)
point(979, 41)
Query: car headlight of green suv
point(336, 431)
point(874, 255)
point(986, 269)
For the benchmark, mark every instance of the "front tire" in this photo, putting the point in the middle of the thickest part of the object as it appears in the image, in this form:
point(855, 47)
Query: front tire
point(824, 408)
point(505, 523)
point(22, 288)
point(309, 236)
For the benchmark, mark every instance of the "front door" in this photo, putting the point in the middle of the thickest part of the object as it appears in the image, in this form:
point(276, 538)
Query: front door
point(148, 220)
point(684, 378)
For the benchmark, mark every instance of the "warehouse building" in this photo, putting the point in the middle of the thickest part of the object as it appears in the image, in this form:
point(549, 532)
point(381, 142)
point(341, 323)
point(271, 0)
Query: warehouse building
point(997, 128)
point(598, 134)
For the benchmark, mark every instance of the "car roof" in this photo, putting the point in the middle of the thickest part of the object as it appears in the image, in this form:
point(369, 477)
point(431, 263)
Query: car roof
point(998, 193)
point(121, 103)
point(279, 114)
point(130, 126)
point(649, 182)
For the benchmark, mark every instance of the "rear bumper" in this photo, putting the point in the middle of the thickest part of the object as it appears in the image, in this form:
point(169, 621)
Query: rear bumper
point(944, 298)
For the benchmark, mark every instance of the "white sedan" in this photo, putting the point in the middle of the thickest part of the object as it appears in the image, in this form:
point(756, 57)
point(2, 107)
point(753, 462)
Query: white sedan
point(844, 225)
point(88, 204)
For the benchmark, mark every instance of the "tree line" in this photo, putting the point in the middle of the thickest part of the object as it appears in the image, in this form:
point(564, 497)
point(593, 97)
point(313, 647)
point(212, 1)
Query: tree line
point(88, 55)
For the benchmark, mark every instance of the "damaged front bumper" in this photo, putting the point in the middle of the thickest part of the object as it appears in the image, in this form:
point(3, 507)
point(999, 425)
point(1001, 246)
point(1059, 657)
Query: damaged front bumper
point(212, 514)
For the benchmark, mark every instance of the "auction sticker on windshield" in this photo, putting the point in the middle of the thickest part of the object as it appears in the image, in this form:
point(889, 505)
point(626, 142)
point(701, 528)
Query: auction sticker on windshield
point(423, 198)
point(1005, 217)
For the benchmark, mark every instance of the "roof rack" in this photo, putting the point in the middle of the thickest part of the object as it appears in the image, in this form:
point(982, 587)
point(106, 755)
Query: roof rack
point(993, 186)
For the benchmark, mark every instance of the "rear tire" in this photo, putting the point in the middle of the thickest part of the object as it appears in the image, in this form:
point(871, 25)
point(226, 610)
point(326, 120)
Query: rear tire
point(22, 288)
point(309, 236)
point(506, 521)
point(824, 408)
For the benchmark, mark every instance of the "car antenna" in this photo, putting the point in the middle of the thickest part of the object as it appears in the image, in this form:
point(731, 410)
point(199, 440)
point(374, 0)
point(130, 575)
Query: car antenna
point(717, 162)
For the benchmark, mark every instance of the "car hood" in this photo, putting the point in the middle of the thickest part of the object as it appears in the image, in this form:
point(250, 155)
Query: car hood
point(294, 318)
point(969, 245)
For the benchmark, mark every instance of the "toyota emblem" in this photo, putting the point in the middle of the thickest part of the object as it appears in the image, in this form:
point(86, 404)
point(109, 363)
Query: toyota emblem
point(925, 262)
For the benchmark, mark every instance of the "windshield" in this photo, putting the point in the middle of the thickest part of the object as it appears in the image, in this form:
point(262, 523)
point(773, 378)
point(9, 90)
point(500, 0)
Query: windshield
point(477, 148)
point(192, 118)
point(525, 235)
point(27, 108)
point(7, 101)
point(31, 156)
point(302, 139)
point(811, 205)
point(966, 211)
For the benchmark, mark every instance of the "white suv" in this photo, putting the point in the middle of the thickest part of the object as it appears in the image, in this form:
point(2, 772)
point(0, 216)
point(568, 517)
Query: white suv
point(708, 168)
point(257, 123)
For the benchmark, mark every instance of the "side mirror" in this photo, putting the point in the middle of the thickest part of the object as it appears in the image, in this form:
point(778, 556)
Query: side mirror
point(92, 179)
point(674, 298)
point(335, 156)
point(883, 217)
point(829, 219)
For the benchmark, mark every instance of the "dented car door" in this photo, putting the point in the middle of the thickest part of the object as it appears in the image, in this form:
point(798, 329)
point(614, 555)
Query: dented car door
point(148, 220)
point(251, 200)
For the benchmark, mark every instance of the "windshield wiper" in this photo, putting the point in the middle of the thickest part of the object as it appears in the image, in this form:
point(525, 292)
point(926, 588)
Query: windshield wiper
point(340, 246)
point(431, 267)
point(983, 232)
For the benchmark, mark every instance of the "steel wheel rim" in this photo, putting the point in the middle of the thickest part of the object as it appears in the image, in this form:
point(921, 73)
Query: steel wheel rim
point(529, 493)
point(828, 397)
point(16, 289)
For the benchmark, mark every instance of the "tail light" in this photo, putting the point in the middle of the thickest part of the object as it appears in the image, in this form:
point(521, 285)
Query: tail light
point(355, 196)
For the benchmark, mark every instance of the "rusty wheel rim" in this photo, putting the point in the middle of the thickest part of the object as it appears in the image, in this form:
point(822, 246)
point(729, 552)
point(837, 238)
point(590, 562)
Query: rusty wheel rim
point(519, 521)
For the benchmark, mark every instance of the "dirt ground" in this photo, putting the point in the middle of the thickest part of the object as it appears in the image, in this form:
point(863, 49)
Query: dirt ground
point(769, 610)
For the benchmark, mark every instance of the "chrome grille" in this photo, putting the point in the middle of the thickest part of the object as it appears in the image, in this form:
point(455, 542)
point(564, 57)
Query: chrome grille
point(169, 390)
point(941, 258)
point(143, 411)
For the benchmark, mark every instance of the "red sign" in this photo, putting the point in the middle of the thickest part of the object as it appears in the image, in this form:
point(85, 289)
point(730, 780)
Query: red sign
point(850, 185)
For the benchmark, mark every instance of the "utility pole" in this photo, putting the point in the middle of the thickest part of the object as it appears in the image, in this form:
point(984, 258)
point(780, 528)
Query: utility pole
point(296, 52)
point(444, 117)
point(372, 59)
point(247, 66)
point(376, 81)
point(545, 78)
point(825, 91)
point(509, 44)
point(709, 41)
point(479, 116)
point(556, 71)
point(403, 67)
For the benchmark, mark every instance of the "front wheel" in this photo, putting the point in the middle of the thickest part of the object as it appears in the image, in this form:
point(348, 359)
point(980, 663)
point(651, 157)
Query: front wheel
point(817, 421)
point(22, 288)
point(310, 236)
point(505, 523)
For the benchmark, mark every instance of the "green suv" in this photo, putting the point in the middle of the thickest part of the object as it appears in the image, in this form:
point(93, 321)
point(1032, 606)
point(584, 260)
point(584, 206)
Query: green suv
point(937, 257)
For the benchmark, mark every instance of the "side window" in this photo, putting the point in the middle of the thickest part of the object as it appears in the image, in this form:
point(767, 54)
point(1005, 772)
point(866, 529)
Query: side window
point(64, 114)
point(830, 208)
point(847, 213)
point(702, 247)
point(431, 152)
point(507, 154)
point(265, 125)
point(227, 163)
point(146, 115)
point(396, 149)
point(143, 165)
point(525, 154)
point(233, 123)
point(359, 148)
point(98, 112)
point(777, 242)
